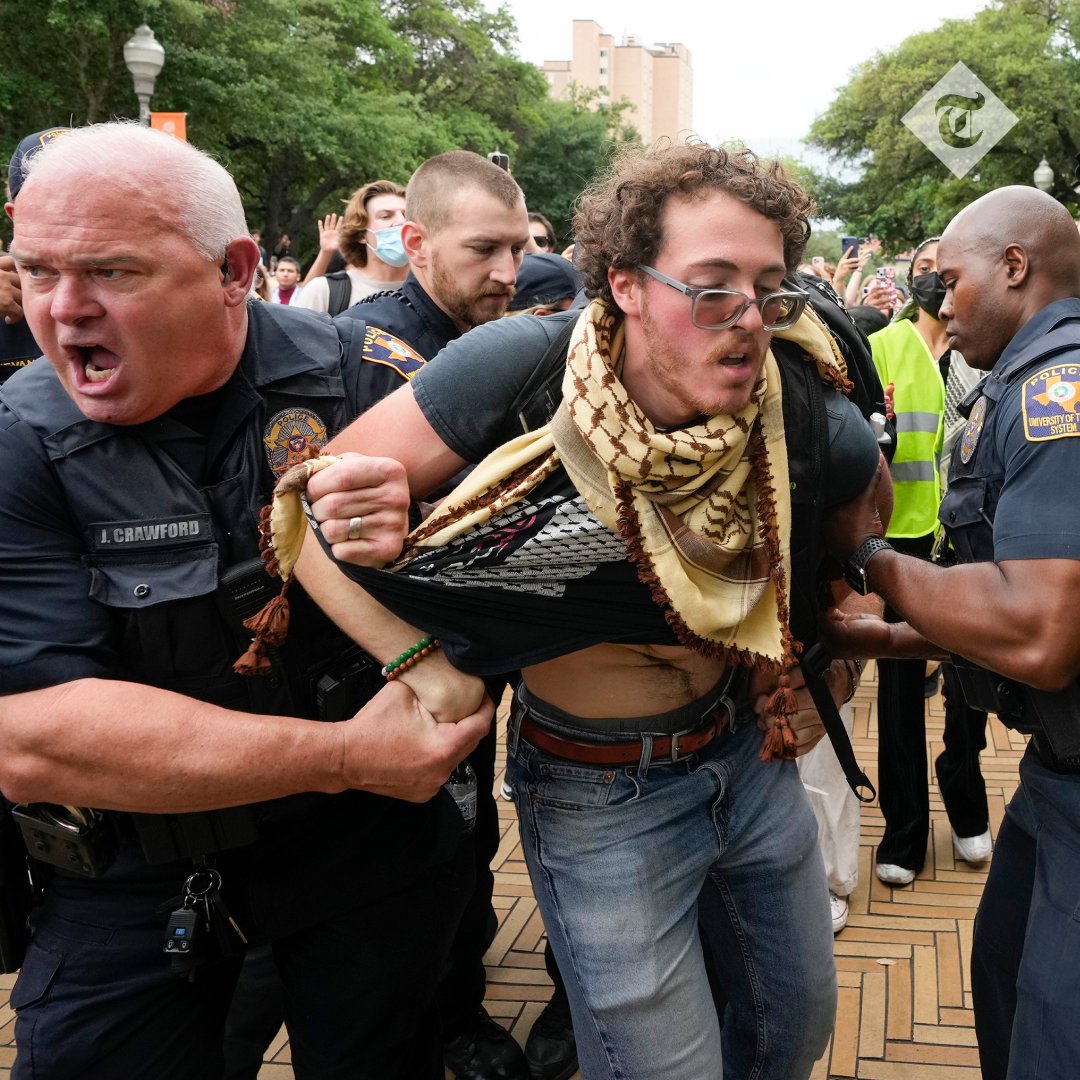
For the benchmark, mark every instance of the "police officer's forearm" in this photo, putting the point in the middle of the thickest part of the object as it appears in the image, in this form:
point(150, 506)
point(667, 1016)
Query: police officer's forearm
point(1017, 618)
point(124, 746)
point(395, 428)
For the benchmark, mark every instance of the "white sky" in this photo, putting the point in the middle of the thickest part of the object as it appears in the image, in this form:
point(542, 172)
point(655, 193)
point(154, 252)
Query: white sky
point(762, 71)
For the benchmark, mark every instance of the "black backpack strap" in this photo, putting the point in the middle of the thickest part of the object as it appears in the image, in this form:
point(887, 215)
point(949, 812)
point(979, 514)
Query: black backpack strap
point(538, 399)
point(814, 663)
point(867, 392)
point(340, 285)
point(807, 578)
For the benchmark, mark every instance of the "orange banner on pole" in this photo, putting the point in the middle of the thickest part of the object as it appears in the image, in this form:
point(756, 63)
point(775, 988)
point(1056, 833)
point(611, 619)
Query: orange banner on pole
point(172, 123)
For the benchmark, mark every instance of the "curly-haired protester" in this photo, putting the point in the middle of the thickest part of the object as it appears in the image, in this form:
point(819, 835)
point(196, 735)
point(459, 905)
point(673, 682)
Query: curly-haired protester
point(368, 237)
point(631, 555)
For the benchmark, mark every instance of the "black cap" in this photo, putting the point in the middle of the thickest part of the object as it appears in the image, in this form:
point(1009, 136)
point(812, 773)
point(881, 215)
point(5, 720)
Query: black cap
point(544, 279)
point(27, 149)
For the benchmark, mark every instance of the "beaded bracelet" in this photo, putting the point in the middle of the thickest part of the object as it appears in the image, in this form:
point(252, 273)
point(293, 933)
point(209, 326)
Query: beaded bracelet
point(409, 658)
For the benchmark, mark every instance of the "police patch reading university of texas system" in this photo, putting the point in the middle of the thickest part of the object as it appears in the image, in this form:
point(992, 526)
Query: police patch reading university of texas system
point(1052, 403)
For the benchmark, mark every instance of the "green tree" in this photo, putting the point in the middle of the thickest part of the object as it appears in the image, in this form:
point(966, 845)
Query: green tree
point(63, 63)
point(302, 100)
point(573, 140)
point(461, 68)
point(1025, 51)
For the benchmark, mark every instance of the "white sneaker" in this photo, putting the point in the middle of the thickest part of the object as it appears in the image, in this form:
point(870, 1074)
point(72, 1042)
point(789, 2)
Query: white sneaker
point(506, 791)
point(973, 849)
point(838, 906)
point(892, 874)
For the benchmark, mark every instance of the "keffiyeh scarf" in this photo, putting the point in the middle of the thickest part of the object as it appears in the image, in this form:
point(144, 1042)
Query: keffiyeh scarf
point(704, 511)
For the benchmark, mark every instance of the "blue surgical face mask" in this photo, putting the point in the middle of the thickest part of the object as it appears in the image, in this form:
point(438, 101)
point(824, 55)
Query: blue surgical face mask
point(390, 248)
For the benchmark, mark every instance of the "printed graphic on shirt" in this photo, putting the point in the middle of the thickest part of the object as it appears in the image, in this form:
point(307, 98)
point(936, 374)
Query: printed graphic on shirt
point(1052, 403)
point(531, 547)
point(381, 347)
point(973, 430)
point(151, 532)
point(292, 436)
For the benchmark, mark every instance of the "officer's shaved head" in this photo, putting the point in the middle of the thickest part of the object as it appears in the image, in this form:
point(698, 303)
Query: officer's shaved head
point(1003, 259)
point(1029, 219)
point(436, 185)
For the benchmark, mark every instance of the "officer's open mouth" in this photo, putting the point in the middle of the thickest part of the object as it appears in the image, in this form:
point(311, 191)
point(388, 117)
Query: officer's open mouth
point(98, 364)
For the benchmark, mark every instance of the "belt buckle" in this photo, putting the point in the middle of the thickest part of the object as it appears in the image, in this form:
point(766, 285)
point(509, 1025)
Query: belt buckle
point(724, 703)
point(675, 755)
point(676, 751)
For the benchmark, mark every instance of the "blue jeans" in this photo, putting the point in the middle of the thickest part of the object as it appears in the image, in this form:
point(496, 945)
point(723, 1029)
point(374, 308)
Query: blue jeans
point(1025, 960)
point(625, 861)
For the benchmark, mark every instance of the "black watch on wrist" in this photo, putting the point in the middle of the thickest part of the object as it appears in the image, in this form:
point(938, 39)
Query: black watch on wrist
point(855, 563)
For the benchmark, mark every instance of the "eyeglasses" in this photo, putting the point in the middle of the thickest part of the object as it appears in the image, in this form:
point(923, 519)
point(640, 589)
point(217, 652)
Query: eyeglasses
point(717, 309)
point(543, 241)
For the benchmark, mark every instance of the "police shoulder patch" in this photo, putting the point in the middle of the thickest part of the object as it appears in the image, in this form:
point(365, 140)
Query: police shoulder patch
point(292, 436)
point(382, 347)
point(1052, 403)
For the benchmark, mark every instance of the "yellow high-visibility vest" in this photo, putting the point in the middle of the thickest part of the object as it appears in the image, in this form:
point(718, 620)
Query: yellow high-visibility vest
point(903, 359)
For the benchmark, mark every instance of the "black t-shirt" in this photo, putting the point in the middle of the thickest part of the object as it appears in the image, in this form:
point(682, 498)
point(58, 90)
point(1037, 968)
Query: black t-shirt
point(543, 578)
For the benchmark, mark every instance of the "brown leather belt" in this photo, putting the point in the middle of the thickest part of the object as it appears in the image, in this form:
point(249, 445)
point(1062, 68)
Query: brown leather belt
point(673, 747)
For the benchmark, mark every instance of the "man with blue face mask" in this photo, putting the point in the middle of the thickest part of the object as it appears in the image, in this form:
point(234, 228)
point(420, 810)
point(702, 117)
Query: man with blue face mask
point(463, 238)
point(369, 240)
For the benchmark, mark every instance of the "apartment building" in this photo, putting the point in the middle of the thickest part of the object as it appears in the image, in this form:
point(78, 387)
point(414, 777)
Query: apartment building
point(657, 80)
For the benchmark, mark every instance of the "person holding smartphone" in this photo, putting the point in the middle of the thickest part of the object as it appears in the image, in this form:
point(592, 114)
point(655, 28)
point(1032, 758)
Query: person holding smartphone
point(847, 278)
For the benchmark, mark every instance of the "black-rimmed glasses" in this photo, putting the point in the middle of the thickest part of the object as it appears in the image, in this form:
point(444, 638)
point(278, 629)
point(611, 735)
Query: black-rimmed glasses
point(717, 309)
point(543, 241)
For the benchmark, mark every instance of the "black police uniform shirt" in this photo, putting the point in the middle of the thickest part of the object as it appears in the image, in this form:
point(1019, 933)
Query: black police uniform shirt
point(113, 594)
point(404, 327)
point(17, 348)
point(1015, 462)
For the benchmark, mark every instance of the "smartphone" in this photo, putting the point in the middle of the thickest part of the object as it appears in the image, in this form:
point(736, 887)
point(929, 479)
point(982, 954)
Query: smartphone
point(848, 242)
point(496, 157)
point(886, 277)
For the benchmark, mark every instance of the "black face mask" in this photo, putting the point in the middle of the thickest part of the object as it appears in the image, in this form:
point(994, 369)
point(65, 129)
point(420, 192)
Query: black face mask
point(928, 292)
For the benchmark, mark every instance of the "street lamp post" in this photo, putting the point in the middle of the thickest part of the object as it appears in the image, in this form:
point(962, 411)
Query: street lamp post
point(1044, 176)
point(144, 57)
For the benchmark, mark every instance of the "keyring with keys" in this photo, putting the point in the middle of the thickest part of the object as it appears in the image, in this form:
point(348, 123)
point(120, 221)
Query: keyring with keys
point(202, 909)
